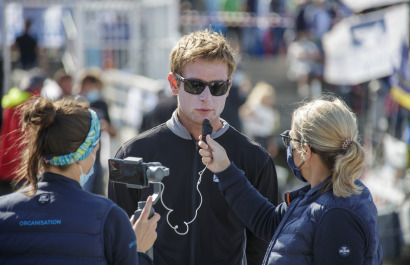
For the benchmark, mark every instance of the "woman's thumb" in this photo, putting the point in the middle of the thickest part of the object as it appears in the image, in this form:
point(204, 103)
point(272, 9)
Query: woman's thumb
point(211, 142)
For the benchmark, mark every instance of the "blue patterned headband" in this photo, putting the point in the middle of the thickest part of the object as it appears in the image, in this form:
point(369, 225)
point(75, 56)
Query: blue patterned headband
point(85, 148)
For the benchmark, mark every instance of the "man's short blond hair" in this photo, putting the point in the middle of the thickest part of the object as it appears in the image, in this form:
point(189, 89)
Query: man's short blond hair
point(206, 45)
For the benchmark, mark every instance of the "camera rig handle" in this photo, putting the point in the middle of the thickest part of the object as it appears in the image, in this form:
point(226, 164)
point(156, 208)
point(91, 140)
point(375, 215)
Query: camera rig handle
point(155, 198)
point(141, 205)
point(155, 172)
point(137, 214)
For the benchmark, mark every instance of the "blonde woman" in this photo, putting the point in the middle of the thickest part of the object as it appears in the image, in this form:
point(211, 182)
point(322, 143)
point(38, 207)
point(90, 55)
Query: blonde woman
point(259, 118)
point(333, 219)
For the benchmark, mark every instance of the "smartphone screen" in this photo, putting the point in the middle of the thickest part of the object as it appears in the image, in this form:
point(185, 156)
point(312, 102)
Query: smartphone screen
point(128, 172)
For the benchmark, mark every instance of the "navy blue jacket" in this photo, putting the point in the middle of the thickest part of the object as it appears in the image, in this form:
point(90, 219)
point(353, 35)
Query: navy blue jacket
point(62, 224)
point(312, 227)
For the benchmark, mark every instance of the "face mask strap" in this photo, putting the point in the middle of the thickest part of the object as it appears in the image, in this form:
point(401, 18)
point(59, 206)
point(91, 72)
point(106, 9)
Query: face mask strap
point(300, 165)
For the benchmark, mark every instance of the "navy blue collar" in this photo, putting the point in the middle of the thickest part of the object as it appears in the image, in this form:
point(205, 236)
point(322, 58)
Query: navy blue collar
point(49, 177)
point(290, 196)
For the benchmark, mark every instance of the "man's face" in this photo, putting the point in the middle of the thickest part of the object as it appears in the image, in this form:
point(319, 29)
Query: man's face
point(66, 85)
point(193, 109)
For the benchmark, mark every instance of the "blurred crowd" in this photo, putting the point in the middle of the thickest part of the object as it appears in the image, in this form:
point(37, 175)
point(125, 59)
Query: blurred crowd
point(34, 83)
point(291, 29)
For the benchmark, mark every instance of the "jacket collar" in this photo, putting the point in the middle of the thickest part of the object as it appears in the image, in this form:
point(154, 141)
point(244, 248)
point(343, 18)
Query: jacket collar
point(290, 196)
point(49, 177)
point(177, 128)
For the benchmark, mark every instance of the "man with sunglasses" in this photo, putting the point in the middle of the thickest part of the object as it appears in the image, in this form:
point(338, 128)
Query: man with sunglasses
point(198, 227)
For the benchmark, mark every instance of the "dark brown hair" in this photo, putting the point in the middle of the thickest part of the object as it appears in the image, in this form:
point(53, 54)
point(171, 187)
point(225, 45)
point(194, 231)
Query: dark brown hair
point(91, 78)
point(51, 129)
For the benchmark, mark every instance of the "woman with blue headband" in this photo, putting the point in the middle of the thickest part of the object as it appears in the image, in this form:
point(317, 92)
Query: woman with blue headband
point(51, 219)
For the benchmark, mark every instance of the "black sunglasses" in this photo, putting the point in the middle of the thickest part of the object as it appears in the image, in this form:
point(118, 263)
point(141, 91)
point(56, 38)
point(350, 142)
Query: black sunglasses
point(286, 138)
point(196, 86)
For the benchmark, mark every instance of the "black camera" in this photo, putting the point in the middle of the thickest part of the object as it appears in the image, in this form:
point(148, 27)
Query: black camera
point(133, 172)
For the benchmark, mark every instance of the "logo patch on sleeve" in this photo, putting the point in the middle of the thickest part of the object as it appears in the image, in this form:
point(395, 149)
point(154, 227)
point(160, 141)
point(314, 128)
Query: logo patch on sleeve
point(44, 199)
point(344, 250)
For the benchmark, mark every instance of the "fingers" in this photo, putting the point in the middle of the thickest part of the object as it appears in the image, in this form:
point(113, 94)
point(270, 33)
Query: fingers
point(144, 228)
point(204, 153)
point(146, 211)
point(155, 218)
point(211, 143)
point(206, 160)
point(202, 144)
point(153, 223)
point(214, 156)
point(207, 151)
point(147, 208)
point(201, 140)
point(206, 156)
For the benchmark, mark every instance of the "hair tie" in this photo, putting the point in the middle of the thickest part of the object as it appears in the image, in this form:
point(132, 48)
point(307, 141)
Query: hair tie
point(346, 143)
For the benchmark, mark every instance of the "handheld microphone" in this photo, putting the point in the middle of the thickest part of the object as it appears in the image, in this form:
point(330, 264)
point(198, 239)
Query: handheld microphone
point(206, 129)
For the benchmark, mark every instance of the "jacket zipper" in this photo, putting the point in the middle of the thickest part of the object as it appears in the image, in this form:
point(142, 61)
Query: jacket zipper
point(279, 230)
point(194, 202)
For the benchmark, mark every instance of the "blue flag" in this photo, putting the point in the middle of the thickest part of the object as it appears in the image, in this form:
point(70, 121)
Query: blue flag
point(400, 80)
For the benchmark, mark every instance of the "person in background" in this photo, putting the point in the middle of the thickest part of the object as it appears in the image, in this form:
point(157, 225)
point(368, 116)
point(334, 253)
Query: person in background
point(260, 120)
point(91, 86)
point(333, 219)
point(237, 97)
point(200, 227)
point(51, 219)
point(11, 130)
point(318, 18)
point(304, 64)
point(27, 47)
point(65, 82)
point(160, 114)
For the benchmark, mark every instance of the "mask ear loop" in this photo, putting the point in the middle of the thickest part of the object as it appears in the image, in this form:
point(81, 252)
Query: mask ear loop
point(196, 211)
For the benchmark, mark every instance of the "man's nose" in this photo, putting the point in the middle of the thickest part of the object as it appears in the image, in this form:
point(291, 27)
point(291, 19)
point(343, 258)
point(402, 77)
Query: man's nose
point(206, 94)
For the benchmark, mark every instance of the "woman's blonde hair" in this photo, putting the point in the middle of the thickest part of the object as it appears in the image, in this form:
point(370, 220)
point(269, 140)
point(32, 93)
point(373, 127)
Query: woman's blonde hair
point(329, 127)
point(259, 92)
point(206, 44)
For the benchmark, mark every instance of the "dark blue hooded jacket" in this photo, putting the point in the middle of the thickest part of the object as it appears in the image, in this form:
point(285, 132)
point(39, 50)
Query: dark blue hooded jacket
point(63, 224)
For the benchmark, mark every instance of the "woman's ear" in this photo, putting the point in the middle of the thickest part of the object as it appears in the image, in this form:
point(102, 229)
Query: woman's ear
point(173, 83)
point(308, 151)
